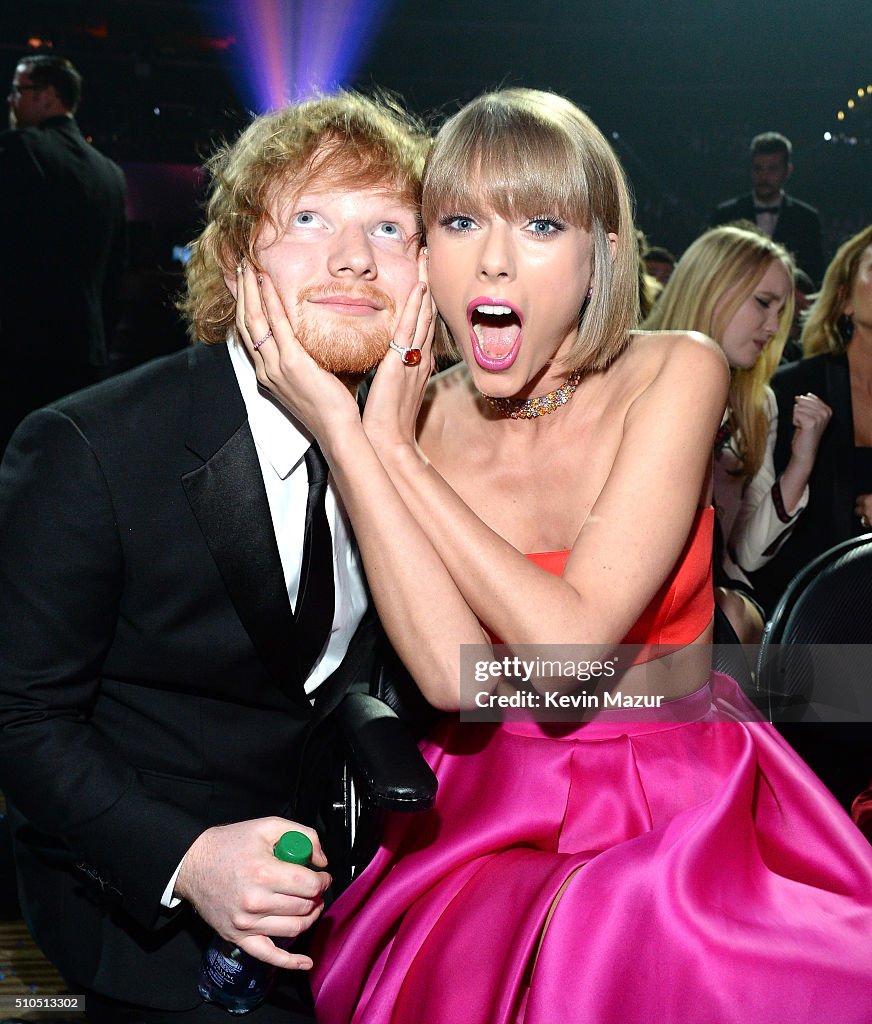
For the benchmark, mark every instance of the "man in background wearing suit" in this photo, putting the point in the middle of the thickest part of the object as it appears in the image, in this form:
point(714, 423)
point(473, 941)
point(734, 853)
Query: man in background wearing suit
point(180, 598)
point(62, 244)
point(787, 220)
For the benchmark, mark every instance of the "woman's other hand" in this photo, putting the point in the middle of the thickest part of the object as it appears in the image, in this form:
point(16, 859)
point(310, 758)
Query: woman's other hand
point(863, 510)
point(397, 390)
point(811, 415)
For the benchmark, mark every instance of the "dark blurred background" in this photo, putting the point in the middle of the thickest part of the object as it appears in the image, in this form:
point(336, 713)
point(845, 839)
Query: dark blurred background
point(680, 87)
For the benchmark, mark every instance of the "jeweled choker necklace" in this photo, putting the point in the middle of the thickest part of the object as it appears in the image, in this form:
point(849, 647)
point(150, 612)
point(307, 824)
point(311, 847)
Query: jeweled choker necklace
point(541, 405)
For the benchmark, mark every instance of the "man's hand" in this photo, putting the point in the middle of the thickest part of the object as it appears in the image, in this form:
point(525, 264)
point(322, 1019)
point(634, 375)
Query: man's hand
point(235, 883)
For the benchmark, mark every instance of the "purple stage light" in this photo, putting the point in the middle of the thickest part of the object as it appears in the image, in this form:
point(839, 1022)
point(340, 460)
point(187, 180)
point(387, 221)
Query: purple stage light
point(290, 49)
point(330, 55)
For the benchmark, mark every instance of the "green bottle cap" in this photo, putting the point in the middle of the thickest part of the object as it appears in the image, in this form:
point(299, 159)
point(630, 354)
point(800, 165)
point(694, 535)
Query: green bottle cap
point(295, 848)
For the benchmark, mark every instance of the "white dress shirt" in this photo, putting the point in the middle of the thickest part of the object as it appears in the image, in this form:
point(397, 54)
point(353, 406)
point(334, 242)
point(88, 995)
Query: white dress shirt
point(281, 443)
point(766, 222)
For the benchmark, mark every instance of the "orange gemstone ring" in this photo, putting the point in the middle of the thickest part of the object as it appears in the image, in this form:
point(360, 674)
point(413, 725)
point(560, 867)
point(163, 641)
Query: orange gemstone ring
point(410, 356)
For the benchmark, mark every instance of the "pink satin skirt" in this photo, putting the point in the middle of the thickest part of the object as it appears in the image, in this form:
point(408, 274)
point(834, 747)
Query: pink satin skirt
point(696, 872)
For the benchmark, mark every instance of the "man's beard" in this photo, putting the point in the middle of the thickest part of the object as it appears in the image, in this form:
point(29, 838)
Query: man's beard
point(348, 347)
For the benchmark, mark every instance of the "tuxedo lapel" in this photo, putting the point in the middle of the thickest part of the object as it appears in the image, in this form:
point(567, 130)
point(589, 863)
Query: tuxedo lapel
point(745, 209)
point(785, 226)
point(228, 499)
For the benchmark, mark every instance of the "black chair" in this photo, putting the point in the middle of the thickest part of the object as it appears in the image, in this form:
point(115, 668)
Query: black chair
point(820, 697)
point(830, 603)
point(363, 759)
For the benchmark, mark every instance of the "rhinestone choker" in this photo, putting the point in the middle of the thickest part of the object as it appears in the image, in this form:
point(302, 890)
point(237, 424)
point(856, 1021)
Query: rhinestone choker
point(541, 405)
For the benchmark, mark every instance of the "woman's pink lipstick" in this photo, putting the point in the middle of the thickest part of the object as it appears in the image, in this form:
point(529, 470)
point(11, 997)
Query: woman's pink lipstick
point(495, 330)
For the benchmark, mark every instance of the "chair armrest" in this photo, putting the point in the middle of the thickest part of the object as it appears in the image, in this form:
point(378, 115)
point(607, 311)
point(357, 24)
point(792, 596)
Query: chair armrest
point(386, 763)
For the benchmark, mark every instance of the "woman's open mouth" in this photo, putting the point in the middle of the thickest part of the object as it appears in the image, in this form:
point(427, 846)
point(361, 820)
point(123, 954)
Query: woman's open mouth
point(495, 328)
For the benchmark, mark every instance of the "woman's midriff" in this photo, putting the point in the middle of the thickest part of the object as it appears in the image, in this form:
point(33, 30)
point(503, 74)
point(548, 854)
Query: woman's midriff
point(667, 654)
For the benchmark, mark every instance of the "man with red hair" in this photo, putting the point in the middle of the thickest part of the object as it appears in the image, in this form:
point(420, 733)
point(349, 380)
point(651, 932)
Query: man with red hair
point(174, 603)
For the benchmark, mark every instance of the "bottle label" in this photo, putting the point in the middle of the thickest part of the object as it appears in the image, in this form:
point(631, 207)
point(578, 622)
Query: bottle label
point(234, 971)
point(223, 969)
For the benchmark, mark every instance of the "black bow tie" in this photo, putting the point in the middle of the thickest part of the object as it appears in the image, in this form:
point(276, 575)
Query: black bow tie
point(766, 209)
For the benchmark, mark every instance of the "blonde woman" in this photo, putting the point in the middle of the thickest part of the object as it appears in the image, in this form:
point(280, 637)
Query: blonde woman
point(623, 867)
point(736, 285)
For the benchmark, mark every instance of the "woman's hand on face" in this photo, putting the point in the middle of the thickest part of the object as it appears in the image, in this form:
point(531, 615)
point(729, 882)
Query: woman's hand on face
point(811, 415)
point(315, 397)
point(863, 510)
point(397, 390)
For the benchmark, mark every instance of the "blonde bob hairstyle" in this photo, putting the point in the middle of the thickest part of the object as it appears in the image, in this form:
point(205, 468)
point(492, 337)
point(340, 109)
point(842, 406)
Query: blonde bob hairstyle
point(521, 153)
point(710, 282)
point(345, 139)
point(821, 330)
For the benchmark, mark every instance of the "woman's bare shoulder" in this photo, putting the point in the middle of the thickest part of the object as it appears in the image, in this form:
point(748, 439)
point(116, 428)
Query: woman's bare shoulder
point(674, 355)
point(669, 343)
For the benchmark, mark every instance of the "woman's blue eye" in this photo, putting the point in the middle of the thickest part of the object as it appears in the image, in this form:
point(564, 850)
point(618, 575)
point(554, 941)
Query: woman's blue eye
point(303, 219)
point(543, 226)
point(457, 222)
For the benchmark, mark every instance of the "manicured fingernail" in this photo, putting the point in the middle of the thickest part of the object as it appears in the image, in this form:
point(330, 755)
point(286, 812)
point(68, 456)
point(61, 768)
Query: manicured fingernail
point(244, 263)
point(238, 269)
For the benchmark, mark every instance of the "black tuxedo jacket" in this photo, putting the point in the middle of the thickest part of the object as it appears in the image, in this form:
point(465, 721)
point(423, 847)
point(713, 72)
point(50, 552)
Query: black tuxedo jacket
point(148, 684)
point(62, 258)
point(62, 247)
point(798, 229)
point(829, 517)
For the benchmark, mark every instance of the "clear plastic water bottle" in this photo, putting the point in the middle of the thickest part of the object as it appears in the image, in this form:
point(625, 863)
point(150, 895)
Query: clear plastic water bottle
point(232, 978)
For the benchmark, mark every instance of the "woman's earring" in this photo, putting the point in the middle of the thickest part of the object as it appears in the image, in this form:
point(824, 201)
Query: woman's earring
point(584, 304)
point(845, 327)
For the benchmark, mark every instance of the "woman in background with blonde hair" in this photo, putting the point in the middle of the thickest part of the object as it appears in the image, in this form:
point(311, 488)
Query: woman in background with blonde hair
point(736, 285)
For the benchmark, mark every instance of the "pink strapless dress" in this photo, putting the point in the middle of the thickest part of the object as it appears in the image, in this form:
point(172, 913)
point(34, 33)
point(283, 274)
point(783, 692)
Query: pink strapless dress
point(704, 874)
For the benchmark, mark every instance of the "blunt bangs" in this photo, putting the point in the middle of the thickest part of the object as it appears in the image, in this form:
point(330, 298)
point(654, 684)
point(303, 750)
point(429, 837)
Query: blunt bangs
point(509, 159)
